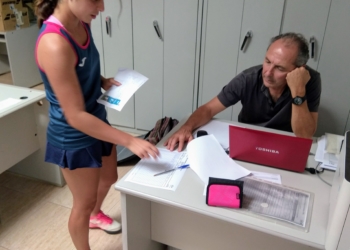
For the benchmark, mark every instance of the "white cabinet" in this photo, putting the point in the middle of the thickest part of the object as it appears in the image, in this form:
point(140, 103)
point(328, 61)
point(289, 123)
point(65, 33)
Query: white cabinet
point(165, 39)
point(235, 37)
point(168, 58)
point(308, 17)
point(112, 33)
point(17, 55)
point(334, 68)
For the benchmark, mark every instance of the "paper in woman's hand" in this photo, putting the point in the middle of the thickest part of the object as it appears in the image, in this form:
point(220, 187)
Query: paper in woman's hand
point(117, 96)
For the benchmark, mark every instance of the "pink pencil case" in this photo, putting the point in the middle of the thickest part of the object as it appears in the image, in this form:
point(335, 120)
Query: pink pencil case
point(224, 193)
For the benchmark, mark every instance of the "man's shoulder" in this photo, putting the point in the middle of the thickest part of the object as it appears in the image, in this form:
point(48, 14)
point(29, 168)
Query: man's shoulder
point(252, 71)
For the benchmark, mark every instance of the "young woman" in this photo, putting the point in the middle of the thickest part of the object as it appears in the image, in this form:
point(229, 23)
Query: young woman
point(79, 138)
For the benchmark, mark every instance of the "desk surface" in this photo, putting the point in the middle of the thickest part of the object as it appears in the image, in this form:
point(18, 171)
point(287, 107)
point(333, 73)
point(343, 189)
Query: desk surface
point(189, 196)
point(15, 92)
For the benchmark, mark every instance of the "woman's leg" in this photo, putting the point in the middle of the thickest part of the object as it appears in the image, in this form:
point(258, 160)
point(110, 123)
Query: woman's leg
point(108, 176)
point(83, 183)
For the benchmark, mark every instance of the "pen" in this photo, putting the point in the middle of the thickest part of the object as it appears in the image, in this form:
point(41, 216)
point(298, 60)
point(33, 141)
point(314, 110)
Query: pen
point(170, 170)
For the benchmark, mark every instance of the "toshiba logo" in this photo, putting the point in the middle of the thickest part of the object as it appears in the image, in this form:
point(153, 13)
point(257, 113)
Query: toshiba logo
point(267, 150)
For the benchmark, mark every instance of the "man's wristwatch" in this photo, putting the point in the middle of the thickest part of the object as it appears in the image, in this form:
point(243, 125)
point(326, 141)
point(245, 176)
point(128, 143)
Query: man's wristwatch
point(298, 100)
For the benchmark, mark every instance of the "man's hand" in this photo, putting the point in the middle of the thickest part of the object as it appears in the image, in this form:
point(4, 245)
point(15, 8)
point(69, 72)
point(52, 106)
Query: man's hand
point(183, 135)
point(107, 83)
point(297, 80)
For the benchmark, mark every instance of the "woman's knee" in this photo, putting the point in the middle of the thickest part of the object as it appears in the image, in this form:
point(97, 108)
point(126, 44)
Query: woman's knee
point(86, 205)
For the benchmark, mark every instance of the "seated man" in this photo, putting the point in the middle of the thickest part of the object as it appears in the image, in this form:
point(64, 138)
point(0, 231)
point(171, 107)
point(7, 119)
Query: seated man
point(283, 93)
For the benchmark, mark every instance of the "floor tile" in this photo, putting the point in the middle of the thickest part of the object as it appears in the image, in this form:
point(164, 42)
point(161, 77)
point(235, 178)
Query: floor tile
point(44, 226)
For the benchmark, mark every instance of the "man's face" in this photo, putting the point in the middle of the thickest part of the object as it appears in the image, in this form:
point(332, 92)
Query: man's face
point(279, 61)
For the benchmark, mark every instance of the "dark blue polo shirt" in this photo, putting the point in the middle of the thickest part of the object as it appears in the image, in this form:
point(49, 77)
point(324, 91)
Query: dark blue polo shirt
point(258, 108)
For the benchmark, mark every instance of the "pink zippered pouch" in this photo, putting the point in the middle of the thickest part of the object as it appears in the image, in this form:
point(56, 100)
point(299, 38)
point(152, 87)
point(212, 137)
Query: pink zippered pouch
point(222, 195)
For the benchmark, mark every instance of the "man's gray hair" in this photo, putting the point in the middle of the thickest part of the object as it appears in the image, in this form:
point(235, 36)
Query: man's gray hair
point(299, 40)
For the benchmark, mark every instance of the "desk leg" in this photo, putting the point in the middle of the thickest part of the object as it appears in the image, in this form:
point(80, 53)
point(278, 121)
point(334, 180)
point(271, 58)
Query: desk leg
point(136, 224)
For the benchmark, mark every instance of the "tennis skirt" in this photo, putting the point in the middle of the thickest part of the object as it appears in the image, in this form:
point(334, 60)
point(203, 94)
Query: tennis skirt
point(90, 157)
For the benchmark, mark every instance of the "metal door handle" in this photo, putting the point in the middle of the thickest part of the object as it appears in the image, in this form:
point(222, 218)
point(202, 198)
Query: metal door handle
point(109, 25)
point(247, 36)
point(312, 43)
point(156, 27)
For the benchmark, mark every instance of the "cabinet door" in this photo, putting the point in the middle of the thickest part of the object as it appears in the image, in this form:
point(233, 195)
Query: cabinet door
point(117, 52)
point(167, 57)
point(308, 17)
point(334, 68)
point(180, 39)
point(220, 42)
point(261, 22)
point(236, 37)
point(148, 60)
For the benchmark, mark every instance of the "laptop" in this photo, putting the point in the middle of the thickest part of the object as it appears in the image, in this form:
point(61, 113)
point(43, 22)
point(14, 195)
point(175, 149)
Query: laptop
point(270, 149)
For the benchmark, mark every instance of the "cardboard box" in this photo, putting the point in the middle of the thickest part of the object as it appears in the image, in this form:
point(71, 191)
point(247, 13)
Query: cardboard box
point(10, 4)
point(30, 6)
point(7, 20)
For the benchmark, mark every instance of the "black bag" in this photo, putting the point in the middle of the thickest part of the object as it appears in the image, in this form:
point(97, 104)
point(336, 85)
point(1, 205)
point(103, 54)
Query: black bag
point(162, 127)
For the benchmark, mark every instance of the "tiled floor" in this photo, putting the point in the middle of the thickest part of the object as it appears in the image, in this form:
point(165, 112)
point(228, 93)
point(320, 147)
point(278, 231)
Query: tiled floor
point(34, 215)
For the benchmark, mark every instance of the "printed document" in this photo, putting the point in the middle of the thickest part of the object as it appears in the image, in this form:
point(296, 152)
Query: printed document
point(144, 171)
point(117, 96)
point(276, 201)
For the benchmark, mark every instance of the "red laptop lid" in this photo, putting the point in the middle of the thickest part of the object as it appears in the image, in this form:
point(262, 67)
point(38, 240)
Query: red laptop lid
point(270, 149)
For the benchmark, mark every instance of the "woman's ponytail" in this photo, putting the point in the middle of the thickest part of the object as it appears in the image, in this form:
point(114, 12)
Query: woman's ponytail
point(44, 9)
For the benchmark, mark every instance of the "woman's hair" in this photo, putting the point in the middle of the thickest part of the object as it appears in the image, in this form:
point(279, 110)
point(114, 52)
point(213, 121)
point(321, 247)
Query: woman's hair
point(44, 9)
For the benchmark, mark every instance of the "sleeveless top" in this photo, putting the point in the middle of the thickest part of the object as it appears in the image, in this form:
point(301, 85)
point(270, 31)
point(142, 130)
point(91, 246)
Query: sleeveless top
point(59, 133)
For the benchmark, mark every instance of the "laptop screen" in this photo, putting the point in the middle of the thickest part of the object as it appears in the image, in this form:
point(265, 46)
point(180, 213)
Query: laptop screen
point(270, 149)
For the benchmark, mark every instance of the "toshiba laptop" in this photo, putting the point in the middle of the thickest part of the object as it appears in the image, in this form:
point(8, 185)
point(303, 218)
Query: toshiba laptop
point(270, 149)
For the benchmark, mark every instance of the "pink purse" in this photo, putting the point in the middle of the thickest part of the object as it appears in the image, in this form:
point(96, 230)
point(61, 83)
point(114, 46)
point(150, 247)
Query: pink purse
point(224, 193)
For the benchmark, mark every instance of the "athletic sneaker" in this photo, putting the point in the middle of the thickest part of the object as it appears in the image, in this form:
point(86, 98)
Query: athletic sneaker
point(104, 222)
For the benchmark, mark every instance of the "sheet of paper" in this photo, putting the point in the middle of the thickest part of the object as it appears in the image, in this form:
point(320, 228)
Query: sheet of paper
point(276, 201)
point(275, 178)
point(321, 145)
point(117, 96)
point(328, 160)
point(8, 103)
point(144, 171)
point(333, 143)
point(208, 159)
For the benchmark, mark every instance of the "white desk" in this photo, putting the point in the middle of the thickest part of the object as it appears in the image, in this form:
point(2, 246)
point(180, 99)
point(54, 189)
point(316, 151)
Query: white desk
point(23, 135)
point(18, 133)
point(181, 219)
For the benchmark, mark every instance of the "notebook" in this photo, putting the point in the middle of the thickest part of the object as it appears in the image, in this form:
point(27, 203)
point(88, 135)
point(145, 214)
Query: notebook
point(270, 149)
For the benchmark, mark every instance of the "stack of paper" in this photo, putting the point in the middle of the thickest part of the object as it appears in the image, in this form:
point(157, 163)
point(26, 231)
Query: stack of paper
point(328, 150)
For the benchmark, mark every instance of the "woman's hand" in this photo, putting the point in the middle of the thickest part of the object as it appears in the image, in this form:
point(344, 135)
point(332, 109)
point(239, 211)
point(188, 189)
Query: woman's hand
point(142, 148)
point(107, 83)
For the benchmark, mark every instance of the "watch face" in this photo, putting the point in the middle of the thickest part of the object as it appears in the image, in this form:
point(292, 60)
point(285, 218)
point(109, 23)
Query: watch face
point(297, 100)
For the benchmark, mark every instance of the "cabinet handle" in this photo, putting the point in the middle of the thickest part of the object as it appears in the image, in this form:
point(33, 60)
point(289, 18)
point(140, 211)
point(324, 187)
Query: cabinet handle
point(109, 25)
point(312, 43)
point(247, 36)
point(156, 27)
